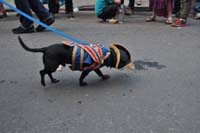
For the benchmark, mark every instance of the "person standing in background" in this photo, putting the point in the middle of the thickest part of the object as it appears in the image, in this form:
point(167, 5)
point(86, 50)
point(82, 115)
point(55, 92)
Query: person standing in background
point(26, 25)
point(2, 12)
point(161, 8)
point(69, 8)
point(197, 9)
point(54, 6)
point(182, 14)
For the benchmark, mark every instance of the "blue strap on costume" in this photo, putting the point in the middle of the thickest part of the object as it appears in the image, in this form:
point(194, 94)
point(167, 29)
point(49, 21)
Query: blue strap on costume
point(44, 25)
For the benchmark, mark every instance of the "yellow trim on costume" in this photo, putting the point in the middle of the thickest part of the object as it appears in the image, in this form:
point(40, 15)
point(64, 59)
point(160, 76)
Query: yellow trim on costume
point(117, 52)
point(81, 59)
point(107, 55)
point(74, 57)
point(99, 51)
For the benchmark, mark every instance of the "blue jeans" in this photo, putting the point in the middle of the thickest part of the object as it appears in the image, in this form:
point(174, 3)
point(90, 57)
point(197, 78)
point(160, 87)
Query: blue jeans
point(36, 6)
point(196, 7)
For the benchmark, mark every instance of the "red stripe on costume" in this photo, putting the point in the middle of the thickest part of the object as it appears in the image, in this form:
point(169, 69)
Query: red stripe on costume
point(99, 50)
point(93, 55)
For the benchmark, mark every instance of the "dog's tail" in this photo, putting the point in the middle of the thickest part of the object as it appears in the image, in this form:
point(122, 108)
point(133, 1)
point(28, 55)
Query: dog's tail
point(30, 49)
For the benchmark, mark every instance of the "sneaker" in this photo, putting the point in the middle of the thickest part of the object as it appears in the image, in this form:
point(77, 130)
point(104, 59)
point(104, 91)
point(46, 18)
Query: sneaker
point(179, 22)
point(3, 16)
point(197, 16)
point(113, 21)
point(70, 15)
point(48, 21)
point(21, 30)
point(139, 2)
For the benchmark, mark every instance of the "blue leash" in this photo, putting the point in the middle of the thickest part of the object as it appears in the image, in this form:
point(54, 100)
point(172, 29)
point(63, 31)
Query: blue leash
point(44, 25)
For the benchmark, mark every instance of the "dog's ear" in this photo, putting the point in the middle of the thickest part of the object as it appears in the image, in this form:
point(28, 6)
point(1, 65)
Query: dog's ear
point(122, 56)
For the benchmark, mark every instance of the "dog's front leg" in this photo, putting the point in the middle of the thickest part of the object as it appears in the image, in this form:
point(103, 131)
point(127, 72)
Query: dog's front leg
point(83, 75)
point(53, 80)
point(100, 74)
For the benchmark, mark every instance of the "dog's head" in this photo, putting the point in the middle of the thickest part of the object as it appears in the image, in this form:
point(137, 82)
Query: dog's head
point(121, 58)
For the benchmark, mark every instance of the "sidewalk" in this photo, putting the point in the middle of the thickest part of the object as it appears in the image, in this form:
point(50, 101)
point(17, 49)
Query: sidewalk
point(88, 5)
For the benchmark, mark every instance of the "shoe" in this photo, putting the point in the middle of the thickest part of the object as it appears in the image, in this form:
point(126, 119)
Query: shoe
point(150, 19)
point(21, 30)
point(103, 21)
point(3, 16)
point(113, 21)
point(139, 2)
point(179, 23)
point(48, 21)
point(168, 21)
point(197, 16)
point(70, 15)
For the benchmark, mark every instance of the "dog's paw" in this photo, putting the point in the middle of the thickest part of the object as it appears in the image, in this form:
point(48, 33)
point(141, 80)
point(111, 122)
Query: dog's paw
point(55, 81)
point(104, 77)
point(83, 84)
point(43, 83)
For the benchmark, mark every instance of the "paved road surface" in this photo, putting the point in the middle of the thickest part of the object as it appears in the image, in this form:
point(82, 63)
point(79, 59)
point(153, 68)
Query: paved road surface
point(161, 96)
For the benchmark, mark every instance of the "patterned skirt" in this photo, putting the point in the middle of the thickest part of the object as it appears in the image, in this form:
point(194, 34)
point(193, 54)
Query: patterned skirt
point(160, 7)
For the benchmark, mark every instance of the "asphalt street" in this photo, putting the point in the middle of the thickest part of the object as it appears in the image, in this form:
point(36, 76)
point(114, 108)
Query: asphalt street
point(161, 96)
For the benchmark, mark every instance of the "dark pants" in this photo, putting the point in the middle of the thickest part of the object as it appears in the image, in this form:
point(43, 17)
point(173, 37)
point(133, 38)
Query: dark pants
point(176, 6)
point(196, 7)
point(131, 4)
point(35, 5)
point(68, 6)
point(109, 12)
point(182, 8)
point(53, 6)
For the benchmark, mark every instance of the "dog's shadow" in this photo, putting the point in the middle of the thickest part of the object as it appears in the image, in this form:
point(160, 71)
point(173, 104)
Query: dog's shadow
point(117, 79)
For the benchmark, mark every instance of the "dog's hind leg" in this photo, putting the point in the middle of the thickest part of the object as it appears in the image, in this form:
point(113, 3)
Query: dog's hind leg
point(42, 74)
point(53, 80)
point(100, 74)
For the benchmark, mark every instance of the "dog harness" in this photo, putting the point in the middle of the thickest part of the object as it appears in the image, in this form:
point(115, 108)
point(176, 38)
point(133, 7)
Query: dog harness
point(92, 55)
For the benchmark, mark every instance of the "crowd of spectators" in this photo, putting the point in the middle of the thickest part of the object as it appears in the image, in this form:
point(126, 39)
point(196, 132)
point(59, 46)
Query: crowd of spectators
point(106, 10)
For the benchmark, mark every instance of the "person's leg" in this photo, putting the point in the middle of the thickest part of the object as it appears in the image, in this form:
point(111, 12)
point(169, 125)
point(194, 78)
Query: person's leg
point(53, 6)
point(1, 8)
point(39, 9)
point(2, 11)
point(69, 8)
point(185, 8)
point(26, 24)
point(42, 13)
point(152, 6)
point(24, 6)
point(109, 12)
point(131, 7)
point(131, 4)
point(177, 8)
point(169, 12)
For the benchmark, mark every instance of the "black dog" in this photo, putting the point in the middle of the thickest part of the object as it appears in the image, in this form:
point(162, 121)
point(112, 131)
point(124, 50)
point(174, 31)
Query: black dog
point(82, 58)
